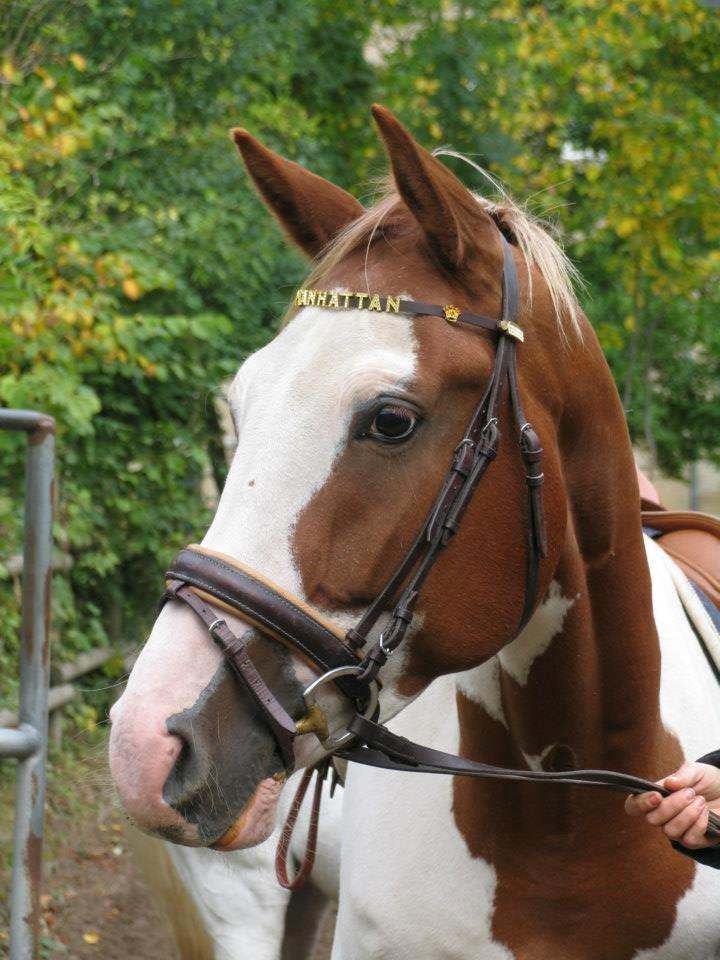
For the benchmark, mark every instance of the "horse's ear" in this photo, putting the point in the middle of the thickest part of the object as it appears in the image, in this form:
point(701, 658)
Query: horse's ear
point(451, 218)
point(312, 210)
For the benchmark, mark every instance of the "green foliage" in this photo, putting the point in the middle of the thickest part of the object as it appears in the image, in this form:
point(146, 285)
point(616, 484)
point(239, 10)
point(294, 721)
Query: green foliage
point(137, 268)
point(607, 114)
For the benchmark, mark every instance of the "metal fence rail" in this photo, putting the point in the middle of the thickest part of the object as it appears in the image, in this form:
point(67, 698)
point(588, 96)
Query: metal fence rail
point(28, 743)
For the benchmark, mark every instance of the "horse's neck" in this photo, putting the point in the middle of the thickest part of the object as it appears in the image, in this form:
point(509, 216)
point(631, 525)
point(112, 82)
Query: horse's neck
point(579, 687)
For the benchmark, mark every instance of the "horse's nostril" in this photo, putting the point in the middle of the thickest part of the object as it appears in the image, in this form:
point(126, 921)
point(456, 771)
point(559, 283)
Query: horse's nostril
point(225, 750)
point(191, 770)
point(188, 773)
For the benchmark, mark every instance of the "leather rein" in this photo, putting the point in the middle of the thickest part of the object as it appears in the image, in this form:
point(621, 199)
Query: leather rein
point(210, 584)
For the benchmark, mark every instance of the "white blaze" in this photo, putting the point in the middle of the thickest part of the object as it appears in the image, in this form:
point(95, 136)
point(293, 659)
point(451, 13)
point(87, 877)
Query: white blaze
point(293, 402)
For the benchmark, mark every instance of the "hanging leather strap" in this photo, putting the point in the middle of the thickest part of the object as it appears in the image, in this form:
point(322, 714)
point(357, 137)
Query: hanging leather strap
point(281, 856)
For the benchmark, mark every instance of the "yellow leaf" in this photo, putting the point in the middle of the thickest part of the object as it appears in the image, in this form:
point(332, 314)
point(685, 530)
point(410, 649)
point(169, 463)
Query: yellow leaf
point(63, 102)
point(65, 144)
point(131, 289)
point(629, 323)
point(8, 70)
point(91, 937)
point(78, 61)
point(435, 130)
point(678, 191)
point(626, 226)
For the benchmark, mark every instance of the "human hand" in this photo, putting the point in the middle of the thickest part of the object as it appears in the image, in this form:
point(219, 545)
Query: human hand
point(683, 816)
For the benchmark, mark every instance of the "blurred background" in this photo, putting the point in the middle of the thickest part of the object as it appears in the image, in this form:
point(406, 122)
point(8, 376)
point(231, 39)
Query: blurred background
point(138, 269)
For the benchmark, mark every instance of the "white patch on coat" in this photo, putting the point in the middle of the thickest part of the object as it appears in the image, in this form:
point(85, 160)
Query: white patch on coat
point(410, 887)
point(690, 708)
point(535, 760)
point(536, 636)
point(482, 684)
point(293, 402)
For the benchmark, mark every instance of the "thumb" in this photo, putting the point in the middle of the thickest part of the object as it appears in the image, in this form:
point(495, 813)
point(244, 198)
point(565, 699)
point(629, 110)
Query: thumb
point(687, 776)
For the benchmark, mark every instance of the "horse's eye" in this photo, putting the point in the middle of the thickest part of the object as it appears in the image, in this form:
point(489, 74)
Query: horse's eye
point(393, 423)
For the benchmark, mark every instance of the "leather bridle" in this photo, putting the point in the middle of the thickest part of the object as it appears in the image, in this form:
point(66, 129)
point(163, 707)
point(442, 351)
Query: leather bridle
point(206, 581)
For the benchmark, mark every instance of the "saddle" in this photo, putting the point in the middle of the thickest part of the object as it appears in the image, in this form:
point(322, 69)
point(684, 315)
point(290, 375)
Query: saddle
point(690, 538)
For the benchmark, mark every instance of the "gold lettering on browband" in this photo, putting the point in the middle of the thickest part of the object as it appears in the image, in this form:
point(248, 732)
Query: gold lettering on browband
point(346, 301)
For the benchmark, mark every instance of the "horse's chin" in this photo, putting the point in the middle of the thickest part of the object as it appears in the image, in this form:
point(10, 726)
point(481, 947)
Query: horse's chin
point(256, 820)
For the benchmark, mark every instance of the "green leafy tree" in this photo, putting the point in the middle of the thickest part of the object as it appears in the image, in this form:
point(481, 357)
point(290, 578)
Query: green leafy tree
point(608, 115)
point(137, 268)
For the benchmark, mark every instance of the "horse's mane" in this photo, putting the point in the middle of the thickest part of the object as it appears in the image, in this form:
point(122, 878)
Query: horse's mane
point(533, 237)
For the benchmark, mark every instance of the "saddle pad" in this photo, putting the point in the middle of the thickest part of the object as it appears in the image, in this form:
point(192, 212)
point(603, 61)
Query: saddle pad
point(702, 614)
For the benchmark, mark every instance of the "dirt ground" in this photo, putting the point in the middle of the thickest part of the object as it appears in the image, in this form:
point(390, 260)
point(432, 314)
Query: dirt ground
point(96, 902)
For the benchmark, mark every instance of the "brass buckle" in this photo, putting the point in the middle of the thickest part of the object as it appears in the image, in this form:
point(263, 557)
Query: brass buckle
point(315, 721)
point(451, 313)
point(512, 330)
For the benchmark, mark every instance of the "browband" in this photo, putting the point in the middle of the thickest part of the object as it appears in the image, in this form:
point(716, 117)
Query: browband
point(332, 300)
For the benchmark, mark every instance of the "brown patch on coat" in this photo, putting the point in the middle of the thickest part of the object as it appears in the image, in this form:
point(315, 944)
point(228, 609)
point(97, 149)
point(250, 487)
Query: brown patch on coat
point(576, 878)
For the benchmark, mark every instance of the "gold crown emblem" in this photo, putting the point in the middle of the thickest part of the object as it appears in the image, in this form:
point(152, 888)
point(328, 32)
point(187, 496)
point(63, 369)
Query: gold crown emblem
point(451, 313)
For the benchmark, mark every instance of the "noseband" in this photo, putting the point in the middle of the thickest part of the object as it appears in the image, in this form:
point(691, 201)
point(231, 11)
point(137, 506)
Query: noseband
point(210, 583)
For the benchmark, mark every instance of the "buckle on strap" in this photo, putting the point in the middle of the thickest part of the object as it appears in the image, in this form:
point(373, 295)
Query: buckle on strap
point(512, 330)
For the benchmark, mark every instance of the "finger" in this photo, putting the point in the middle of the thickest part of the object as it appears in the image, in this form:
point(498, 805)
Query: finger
point(688, 775)
point(694, 837)
point(670, 807)
point(642, 803)
point(685, 820)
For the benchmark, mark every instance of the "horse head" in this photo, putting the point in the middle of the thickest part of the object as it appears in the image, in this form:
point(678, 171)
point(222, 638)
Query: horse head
point(346, 423)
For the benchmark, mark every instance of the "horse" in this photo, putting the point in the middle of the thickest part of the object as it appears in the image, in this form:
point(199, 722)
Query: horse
point(546, 636)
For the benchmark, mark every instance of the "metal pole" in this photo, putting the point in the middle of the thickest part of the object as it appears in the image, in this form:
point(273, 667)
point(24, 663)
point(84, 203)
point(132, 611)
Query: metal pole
point(694, 487)
point(34, 677)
